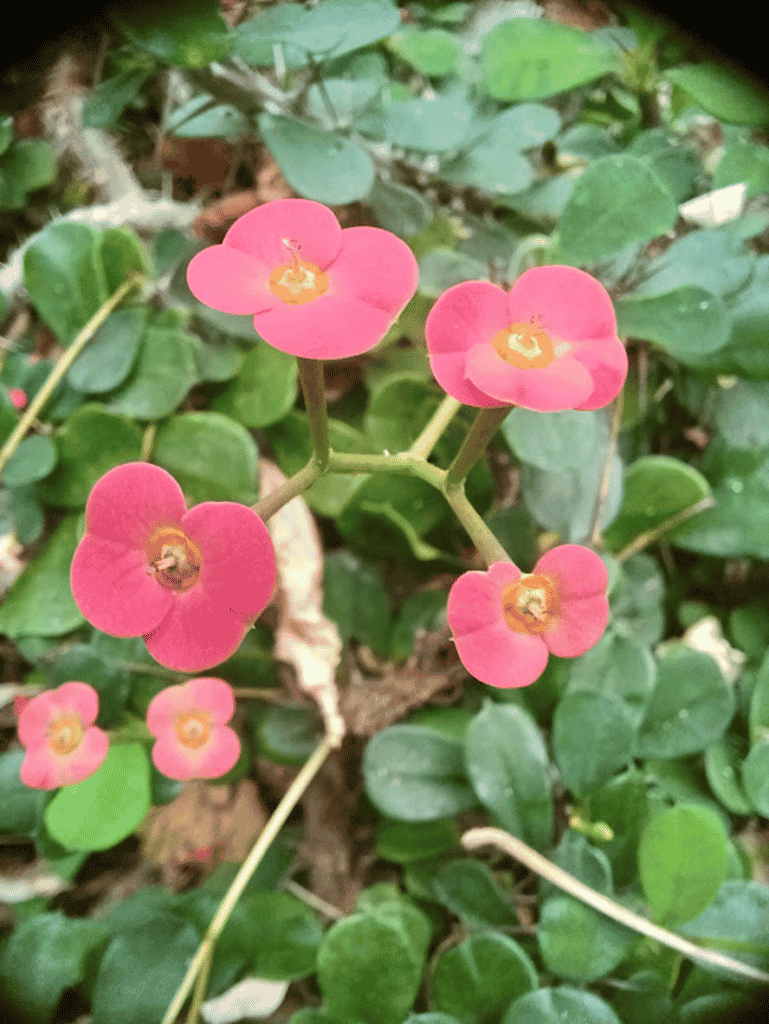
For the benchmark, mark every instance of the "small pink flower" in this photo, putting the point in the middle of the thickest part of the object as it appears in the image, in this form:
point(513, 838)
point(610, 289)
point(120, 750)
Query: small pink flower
point(63, 745)
point(505, 622)
point(548, 345)
point(316, 290)
point(191, 583)
point(190, 723)
point(18, 396)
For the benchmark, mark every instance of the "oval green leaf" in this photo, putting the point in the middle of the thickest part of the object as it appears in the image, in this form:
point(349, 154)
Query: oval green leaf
point(593, 737)
point(477, 979)
point(578, 943)
point(264, 391)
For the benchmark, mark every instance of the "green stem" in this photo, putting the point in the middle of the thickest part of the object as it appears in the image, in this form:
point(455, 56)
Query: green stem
point(314, 391)
point(64, 363)
point(247, 868)
point(444, 414)
point(525, 248)
point(148, 440)
point(484, 427)
point(404, 464)
point(295, 485)
point(486, 543)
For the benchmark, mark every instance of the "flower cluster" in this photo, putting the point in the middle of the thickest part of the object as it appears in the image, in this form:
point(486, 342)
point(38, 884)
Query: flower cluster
point(189, 722)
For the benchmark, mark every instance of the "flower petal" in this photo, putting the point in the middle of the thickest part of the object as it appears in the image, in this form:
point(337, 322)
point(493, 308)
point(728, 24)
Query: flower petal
point(578, 572)
point(607, 365)
point(132, 500)
point(375, 266)
point(215, 696)
point(569, 303)
point(499, 656)
point(475, 601)
point(449, 370)
point(196, 634)
point(111, 588)
point(80, 698)
point(165, 706)
point(213, 759)
point(331, 327)
point(238, 570)
point(312, 226)
point(563, 384)
point(578, 627)
point(34, 719)
point(230, 280)
point(42, 769)
point(466, 315)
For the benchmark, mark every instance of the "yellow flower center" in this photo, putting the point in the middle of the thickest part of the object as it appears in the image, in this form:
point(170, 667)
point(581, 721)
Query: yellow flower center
point(299, 281)
point(173, 559)
point(526, 346)
point(193, 728)
point(529, 604)
point(65, 733)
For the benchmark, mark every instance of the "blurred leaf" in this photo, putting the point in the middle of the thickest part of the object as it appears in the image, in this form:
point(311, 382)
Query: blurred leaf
point(435, 124)
point(33, 460)
point(434, 52)
point(424, 611)
point(584, 861)
point(20, 806)
point(637, 598)
point(556, 440)
point(735, 922)
point(408, 842)
point(682, 860)
point(578, 943)
point(123, 254)
point(557, 1005)
point(678, 167)
point(164, 372)
point(413, 773)
point(203, 118)
point(616, 201)
point(212, 457)
point(106, 102)
point(622, 805)
point(687, 321)
point(528, 59)
point(188, 34)
point(28, 164)
point(355, 599)
point(619, 665)
point(398, 208)
point(265, 389)
point(722, 768)
point(107, 359)
point(469, 890)
point(286, 735)
point(565, 501)
point(478, 978)
point(441, 268)
point(722, 92)
point(318, 165)
point(744, 161)
point(508, 768)
point(714, 260)
point(755, 776)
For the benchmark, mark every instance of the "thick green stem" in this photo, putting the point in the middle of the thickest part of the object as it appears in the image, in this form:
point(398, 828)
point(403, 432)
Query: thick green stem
point(486, 543)
point(295, 485)
point(314, 391)
point(444, 414)
point(64, 363)
point(484, 427)
point(404, 464)
point(247, 868)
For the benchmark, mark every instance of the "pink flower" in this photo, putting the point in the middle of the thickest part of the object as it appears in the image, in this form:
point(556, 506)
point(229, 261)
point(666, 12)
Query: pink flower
point(63, 745)
point(190, 723)
point(18, 396)
point(316, 290)
point(548, 345)
point(191, 583)
point(505, 622)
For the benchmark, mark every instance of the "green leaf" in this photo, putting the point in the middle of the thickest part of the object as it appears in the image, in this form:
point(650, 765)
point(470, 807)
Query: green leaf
point(398, 208)
point(283, 936)
point(477, 979)
point(636, 599)
point(575, 855)
point(141, 971)
point(722, 765)
point(264, 391)
point(108, 806)
point(646, 998)
point(690, 708)
point(616, 201)
point(212, 457)
point(716, 261)
point(203, 118)
point(370, 968)
point(555, 441)
point(90, 443)
point(565, 501)
point(735, 923)
point(40, 602)
point(619, 666)
point(424, 611)
point(409, 842)
point(560, 1005)
point(220, 359)
point(355, 598)
point(330, 29)
point(122, 254)
point(110, 680)
point(469, 890)
point(759, 705)
point(107, 101)
point(528, 59)
point(490, 169)
point(413, 773)
point(682, 861)
point(33, 460)
point(318, 165)
point(434, 52)
point(755, 776)
point(107, 359)
point(286, 735)
point(687, 321)
point(441, 268)
point(578, 943)
point(44, 956)
point(657, 487)
point(723, 93)
point(622, 804)
point(593, 737)
point(677, 166)
point(188, 34)
point(436, 124)
point(28, 165)
point(508, 768)
point(164, 372)
point(749, 628)
point(20, 806)
point(64, 276)
point(744, 161)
